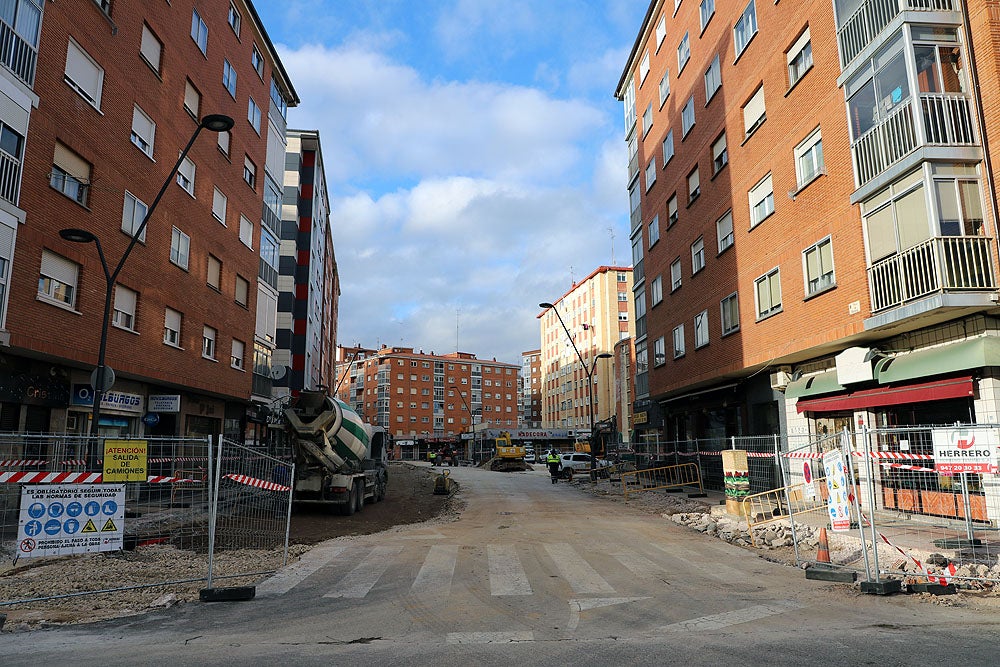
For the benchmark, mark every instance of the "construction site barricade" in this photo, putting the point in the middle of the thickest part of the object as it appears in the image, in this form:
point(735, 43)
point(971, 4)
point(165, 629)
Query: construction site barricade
point(664, 477)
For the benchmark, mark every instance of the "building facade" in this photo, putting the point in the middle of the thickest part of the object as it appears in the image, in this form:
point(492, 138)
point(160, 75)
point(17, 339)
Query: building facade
point(597, 313)
point(530, 404)
point(813, 183)
point(120, 90)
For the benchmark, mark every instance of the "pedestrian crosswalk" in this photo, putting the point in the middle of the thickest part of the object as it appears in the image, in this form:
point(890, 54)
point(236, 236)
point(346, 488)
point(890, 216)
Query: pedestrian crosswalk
point(510, 569)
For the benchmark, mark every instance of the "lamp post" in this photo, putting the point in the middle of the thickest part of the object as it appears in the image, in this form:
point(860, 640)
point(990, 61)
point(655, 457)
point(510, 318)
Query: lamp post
point(472, 418)
point(589, 370)
point(101, 381)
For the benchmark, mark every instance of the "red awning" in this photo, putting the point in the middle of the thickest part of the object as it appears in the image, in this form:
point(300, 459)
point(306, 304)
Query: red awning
point(960, 387)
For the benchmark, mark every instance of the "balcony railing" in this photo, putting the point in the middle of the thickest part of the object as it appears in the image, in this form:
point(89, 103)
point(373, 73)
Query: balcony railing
point(10, 177)
point(945, 120)
point(270, 220)
point(18, 55)
point(940, 264)
point(862, 27)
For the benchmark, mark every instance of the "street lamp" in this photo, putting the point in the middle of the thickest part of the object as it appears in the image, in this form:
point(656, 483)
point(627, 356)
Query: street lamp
point(102, 380)
point(472, 418)
point(590, 384)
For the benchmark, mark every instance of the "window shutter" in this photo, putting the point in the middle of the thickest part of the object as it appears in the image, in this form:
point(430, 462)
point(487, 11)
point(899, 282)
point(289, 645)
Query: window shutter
point(142, 125)
point(125, 300)
point(150, 48)
point(58, 268)
point(82, 71)
point(172, 320)
point(799, 44)
point(214, 271)
point(71, 163)
point(192, 99)
point(753, 110)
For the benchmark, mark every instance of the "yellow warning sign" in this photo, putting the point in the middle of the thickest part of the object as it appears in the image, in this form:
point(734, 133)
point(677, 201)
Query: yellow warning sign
point(109, 526)
point(125, 460)
point(90, 527)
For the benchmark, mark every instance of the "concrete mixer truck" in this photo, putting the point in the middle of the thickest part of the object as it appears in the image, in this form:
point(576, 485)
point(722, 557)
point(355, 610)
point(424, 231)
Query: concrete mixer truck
point(340, 460)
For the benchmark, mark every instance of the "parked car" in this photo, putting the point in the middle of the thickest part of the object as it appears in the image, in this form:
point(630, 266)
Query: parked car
point(580, 462)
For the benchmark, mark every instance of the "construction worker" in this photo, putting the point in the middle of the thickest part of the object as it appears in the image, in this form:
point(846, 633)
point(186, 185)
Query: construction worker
point(552, 460)
point(432, 457)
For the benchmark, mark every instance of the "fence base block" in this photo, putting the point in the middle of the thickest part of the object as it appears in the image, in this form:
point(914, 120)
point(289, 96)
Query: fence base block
point(697, 495)
point(933, 589)
point(820, 573)
point(674, 490)
point(232, 594)
point(885, 587)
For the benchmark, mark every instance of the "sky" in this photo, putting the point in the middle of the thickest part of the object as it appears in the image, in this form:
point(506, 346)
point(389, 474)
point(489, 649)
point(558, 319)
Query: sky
point(474, 154)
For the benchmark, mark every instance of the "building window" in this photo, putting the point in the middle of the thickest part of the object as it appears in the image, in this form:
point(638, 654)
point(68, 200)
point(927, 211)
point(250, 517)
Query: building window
point(730, 314)
point(678, 341)
point(675, 275)
point(172, 327)
point(654, 230)
point(713, 79)
point(698, 255)
point(253, 115)
point(818, 263)
point(242, 291)
point(656, 290)
point(250, 172)
point(800, 58)
point(224, 139)
point(192, 100)
point(724, 231)
point(199, 31)
point(768, 293)
point(133, 213)
point(809, 158)
point(124, 308)
point(219, 204)
point(180, 248)
point(150, 48)
point(745, 29)
point(706, 11)
point(672, 214)
point(754, 113)
point(185, 175)
point(208, 342)
point(236, 359)
point(246, 232)
point(687, 117)
point(143, 131)
point(761, 201)
point(720, 154)
point(683, 53)
point(694, 186)
point(701, 329)
point(661, 31)
point(668, 147)
point(229, 78)
point(70, 174)
point(214, 272)
point(664, 87)
point(278, 100)
point(257, 62)
point(643, 68)
point(659, 351)
point(647, 120)
point(57, 279)
point(83, 74)
point(650, 173)
point(234, 19)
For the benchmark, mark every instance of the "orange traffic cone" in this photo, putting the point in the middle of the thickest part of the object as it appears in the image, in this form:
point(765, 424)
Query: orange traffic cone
point(823, 551)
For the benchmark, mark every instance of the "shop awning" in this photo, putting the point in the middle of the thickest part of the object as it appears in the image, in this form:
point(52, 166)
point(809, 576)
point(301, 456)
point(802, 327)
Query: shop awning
point(821, 383)
point(960, 387)
point(963, 356)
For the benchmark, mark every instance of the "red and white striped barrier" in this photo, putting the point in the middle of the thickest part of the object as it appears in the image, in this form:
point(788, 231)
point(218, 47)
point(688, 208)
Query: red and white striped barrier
point(20, 463)
point(257, 483)
point(161, 479)
point(904, 466)
point(897, 456)
point(50, 477)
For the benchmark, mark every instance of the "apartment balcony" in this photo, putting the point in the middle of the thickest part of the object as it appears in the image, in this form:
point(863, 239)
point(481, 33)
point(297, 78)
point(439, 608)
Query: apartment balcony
point(861, 28)
point(10, 178)
point(938, 266)
point(262, 385)
point(932, 119)
point(18, 55)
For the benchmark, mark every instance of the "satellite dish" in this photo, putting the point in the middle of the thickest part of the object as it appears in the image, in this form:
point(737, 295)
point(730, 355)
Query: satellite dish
point(278, 372)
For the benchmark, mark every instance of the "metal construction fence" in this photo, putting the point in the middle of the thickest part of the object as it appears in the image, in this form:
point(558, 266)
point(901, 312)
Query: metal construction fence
point(667, 477)
point(192, 499)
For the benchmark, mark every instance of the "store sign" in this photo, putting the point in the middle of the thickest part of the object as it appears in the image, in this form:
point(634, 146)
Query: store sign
point(83, 394)
point(164, 403)
point(958, 450)
point(640, 418)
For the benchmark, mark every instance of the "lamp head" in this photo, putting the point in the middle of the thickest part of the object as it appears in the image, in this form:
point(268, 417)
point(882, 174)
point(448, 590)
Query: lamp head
point(77, 235)
point(604, 355)
point(545, 305)
point(217, 122)
point(874, 353)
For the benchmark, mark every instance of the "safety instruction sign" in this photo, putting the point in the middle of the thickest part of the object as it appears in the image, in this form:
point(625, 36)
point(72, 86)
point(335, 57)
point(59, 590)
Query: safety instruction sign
point(838, 502)
point(125, 460)
point(57, 520)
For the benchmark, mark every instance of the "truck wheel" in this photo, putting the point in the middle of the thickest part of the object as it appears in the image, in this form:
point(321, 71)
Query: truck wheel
point(347, 509)
point(359, 491)
point(379, 489)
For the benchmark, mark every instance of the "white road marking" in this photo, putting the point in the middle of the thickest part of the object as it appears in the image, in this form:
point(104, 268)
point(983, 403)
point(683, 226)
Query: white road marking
point(576, 571)
point(490, 637)
point(728, 618)
point(507, 577)
point(716, 570)
point(583, 604)
point(638, 564)
point(288, 578)
point(365, 575)
point(437, 571)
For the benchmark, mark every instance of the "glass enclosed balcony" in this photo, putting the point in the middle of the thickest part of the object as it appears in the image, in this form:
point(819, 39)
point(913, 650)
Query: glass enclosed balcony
point(860, 21)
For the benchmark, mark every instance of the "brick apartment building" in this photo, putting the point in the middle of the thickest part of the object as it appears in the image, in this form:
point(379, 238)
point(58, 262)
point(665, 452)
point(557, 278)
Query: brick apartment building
point(813, 214)
point(118, 91)
point(427, 397)
point(597, 312)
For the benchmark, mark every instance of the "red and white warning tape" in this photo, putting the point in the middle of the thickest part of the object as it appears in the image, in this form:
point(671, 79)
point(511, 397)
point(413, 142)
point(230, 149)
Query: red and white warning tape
point(20, 463)
point(904, 466)
point(159, 479)
point(50, 477)
point(897, 456)
point(257, 483)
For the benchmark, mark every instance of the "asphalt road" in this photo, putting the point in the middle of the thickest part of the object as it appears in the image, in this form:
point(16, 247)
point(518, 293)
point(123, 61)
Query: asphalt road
point(532, 573)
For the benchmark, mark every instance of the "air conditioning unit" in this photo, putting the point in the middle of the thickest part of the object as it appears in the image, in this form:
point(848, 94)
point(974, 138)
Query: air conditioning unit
point(780, 378)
